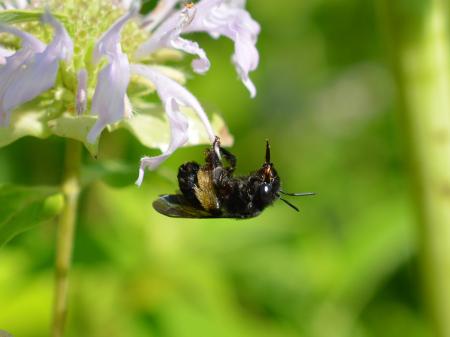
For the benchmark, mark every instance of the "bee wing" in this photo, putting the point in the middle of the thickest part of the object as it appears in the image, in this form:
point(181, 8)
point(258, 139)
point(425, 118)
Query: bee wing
point(177, 206)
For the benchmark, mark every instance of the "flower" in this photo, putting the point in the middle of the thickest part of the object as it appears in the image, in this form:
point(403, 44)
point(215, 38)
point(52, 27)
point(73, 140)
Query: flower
point(101, 77)
point(173, 95)
point(216, 17)
point(110, 94)
point(109, 97)
point(33, 69)
point(168, 35)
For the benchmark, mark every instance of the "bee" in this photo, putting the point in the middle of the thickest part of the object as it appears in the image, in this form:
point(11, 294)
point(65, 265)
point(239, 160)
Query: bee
point(212, 191)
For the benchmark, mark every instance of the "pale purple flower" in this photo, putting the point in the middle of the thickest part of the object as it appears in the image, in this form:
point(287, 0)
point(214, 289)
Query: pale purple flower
point(32, 69)
point(213, 16)
point(168, 35)
point(112, 82)
point(13, 64)
point(216, 17)
point(172, 95)
point(110, 100)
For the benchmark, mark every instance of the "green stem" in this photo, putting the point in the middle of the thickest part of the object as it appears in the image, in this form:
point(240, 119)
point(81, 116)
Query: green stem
point(66, 226)
point(417, 32)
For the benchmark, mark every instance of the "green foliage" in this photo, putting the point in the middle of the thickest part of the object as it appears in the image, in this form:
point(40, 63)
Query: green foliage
point(149, 130)
point(27, 123)
point(113, 173)
point(75, 127)
point(12, 16)
point(345, 266)
point(22, 208)
point(152, 131)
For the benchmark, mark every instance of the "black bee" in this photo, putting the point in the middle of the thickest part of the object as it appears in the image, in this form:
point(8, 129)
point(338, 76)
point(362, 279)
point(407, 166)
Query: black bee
point(211, 190)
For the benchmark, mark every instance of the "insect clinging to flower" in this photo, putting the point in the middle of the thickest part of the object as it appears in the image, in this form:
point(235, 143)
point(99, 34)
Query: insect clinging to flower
point(212, 190)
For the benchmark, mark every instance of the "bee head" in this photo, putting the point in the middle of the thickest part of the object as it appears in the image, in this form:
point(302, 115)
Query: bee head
point(269, 182)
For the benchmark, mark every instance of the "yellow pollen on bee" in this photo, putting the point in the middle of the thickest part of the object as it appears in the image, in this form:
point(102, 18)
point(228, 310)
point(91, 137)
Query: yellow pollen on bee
point(204, 191)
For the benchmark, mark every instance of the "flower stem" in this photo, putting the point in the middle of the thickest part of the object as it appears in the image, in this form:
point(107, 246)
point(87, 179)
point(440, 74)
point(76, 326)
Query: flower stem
point(417, 32)
point(66, 226)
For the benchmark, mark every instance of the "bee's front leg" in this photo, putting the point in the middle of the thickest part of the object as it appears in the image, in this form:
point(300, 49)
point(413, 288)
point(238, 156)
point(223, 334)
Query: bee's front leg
point(216, 153)
point(212, 155)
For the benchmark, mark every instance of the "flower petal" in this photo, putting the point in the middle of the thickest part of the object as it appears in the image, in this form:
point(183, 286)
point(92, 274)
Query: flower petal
point(13, 65)
point(125, 4)
point(178, 137)
point(4, 53)
point(157, 15)
point(81, 99)
point(112, 81)
point(173, 95)
point(109, 97)
point(37, 72)
point(245, 59)
point(200, 65)
point(61, 47)
point(28, 40)
point(109, 43)
point(13, 4)
point(232, 21)
point(159, 37)
point(217, 18)
point(169, 36)
point(237, 3)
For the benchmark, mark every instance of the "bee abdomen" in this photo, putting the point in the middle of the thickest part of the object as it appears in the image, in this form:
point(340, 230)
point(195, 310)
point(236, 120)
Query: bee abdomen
point(187, 180)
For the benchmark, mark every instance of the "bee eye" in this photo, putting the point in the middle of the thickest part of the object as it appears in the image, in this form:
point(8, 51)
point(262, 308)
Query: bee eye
point(265, 192)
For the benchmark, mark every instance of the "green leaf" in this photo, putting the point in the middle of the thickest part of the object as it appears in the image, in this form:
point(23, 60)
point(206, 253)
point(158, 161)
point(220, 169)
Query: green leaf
point(75, 127)
point(24, 207)
point(19, 16)
point(154, 132)
point(150, 130)
point(24, 123)
point(113, 173)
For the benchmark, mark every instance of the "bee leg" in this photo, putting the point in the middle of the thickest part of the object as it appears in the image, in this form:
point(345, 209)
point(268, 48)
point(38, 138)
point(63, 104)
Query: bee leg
point(212, 159)
point(220, 176)
point(230, 158)
point(187, 180)
point(223, 182)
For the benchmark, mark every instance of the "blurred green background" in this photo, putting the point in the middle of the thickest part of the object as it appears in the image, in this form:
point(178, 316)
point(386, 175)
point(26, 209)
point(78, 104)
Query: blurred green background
point(346, 265)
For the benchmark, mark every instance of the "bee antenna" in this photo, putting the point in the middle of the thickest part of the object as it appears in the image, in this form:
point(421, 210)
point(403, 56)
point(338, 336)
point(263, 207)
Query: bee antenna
point(267, 152)
point(304, 194)
point(290, 205)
